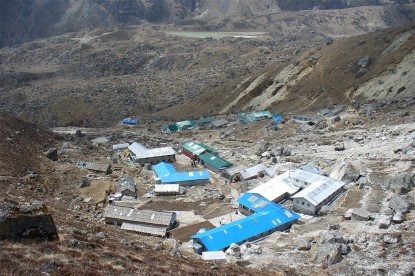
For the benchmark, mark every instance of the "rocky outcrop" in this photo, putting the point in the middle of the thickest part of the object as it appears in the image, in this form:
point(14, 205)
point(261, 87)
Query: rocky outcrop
point(28, 221)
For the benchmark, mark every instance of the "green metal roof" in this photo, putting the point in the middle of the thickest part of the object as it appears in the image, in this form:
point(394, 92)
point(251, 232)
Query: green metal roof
point(185, 124)
point(197, 148)
point(171, 127)
point(215, 161)
point(202, 121)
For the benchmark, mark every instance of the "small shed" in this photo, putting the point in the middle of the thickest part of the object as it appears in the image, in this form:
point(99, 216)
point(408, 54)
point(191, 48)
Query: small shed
point(219, 123)
point(166, 189)
point(214, 256)
point(214, 163)
point(143, 155)
point(231, 172)
point(96, 167)
point(126, 186)
point(130, 121)
point(252, 173)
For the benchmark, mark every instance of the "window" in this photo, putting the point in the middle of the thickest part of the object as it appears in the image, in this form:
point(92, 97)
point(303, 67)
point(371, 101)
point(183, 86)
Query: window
point(302, 203)
point(308, 205)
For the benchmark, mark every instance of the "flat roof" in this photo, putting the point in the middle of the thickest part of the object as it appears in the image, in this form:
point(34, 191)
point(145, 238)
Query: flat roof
point(318, 191)
point(243, 229)
point(142, 152)
point(139, 215)
point(276, 187)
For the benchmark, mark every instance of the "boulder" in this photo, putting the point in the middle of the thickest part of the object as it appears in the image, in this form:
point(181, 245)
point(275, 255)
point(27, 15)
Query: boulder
point(260, 147)
point(170, 243)
point(399, 183)
point(389, 238)
point(332, 236)
point(365, 61)
point(345, 172)
point(339, 147)
point(234, 250)
point(303, 244)
point(52, 154)
point(397, 218)
point(336, 119)
point(383, 221)
point(100, 236)
point(266, 154)
point(286, 151)
point(250, 249)
point(328, 254)
point(175, 252)
point(345, 249)
point(31, 221)
point(399, 205)
point(360, 214)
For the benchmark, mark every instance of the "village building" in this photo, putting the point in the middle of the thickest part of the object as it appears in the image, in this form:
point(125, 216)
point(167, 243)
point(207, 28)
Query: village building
point(120, 146)
point(166, 189)
point(143, 155)
point(143, 221)
point(255, 116)
point(214, 163)
point(230, 173)
point(167, 174)
point(250, 203)
point(219, 123)
point(277, 188)
point(130, 121)
point(204, 121)
point(246, 229)
point(304, 178)
point(315, 195)
point(193, 150)
point(302, 119)
point(126, 186)
point(103, 168)
point(257, 171)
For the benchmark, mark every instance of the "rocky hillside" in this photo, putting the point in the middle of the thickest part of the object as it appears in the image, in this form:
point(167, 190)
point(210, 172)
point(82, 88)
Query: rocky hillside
point(376, 67)
point(22, 20)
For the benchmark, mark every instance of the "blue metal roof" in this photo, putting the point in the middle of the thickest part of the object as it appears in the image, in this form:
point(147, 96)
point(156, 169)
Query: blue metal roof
point(258, 203)
point(185, 176)
point(244, 229)
point(130, 121)
point(164, 169)
point(168, 174)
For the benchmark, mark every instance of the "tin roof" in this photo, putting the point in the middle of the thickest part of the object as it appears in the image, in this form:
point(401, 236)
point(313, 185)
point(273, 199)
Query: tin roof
point(276, 187)
point(243, 229)
point(139, 215)
point(215, 161)
point(258, 203)
point(236, 169)
point(220, 122)
point(166, 188)
point(146, 229)
point(253, 171)
point(142, 152)
point(168, 174)
point(319, 190)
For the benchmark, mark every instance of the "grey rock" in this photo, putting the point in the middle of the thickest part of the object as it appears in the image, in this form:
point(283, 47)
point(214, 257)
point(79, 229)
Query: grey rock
point(360, 214)
point(336, 119)
point(175, 252)
point(100, 236)
point(345, 249)
point(399, 183)
point(261, 147)
point(345, 172)
point(389, 239)
point(303, 244)
point(52, 154)
point(365, 61)
point(332, 236)
point(399, 205)
point(85, 182)
point(383, 222)
point(397, 218)
point(286, 151)
point(328, 254)
point(234, 250)
point(339, 147)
